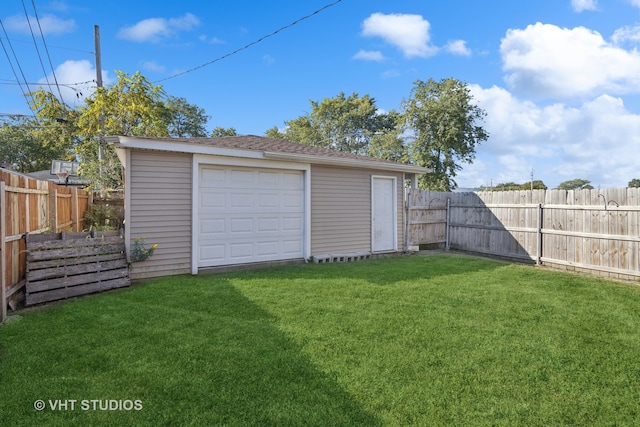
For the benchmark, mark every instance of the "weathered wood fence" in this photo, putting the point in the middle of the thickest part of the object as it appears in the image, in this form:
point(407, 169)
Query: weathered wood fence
point(64, 265)
point(595, 231)
point(29, 205)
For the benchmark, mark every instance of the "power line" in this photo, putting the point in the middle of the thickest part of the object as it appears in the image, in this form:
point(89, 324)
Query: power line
point(33, 37)
point(55, 78)
point(247, 46)
point(46, 77)
point(17, 63)
point(12, 82)
point(53, 46)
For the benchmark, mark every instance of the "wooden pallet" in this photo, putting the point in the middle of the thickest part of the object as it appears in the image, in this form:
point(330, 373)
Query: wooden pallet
point(65, 265)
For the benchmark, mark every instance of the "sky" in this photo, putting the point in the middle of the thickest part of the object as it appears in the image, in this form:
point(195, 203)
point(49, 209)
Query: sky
point(559, 80)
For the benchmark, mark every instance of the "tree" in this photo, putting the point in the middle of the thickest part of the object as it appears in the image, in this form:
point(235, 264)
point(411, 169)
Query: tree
point(344, 123)
point(185, 120)
point(23, 150)
point(28, 144)
point(219, 131)
point(512, 186)
point(389, 144)
point(575, 184)
point(634, 183)
point(445, 125)
point(134, 107)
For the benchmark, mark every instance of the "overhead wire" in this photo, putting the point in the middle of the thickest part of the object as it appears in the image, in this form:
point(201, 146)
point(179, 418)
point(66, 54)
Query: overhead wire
point(46, 77)
point(24, 79)
point(53, 71)
point(255, 42)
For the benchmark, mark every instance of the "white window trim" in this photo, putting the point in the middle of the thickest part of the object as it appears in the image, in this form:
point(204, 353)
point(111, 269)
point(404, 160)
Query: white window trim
point(204, 160)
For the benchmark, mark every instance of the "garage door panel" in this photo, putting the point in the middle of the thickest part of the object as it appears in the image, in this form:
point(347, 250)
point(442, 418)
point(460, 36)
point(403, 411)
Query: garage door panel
point(292, 223)
point(250, 215)
point(212, 252)
point(215, 226)
point(268, 224)
point(212, 199)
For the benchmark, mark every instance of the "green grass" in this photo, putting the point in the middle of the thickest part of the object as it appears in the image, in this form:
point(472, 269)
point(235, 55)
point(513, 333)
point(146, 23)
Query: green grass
point(438, 340)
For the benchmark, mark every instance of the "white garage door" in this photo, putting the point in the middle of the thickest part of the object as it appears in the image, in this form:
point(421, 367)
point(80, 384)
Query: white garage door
point(249, 215)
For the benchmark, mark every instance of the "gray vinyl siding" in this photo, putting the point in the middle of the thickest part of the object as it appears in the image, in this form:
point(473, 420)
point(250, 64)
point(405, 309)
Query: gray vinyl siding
point(341, 209)
point(160, 211)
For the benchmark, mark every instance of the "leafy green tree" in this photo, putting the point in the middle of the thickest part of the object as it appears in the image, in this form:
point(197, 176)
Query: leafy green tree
point(133, 107)
point(54, 125)
point(389, 143)
point(22, 149)
point(344, 123)
point(512, 186)
point(186, 120)
point(634, 183)
point(28, 144)
point(575, 184)
point(220, 131)
point(445, 124)
point(274, 133)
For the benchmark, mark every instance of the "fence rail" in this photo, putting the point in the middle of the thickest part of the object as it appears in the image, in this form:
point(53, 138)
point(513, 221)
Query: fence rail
point(29, 205)
point(588, 230)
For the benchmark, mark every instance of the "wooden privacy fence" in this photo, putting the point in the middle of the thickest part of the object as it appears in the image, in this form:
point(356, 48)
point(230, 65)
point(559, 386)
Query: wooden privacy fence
point(29, 205)
point(585, 230)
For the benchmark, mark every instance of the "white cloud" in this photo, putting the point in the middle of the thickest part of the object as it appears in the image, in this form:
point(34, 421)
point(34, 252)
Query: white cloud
point(50, 24)
point(409, 33)
point(582, 5)
point(458, 47)
point(153, 66)
point(635, 3)
point(369, 55)
point(76, 80)
point(590, 141)
point(626, 34)
point(390, 74)
point(157, 29)
point(268, 59)
point(549, 61)
point(211, 40)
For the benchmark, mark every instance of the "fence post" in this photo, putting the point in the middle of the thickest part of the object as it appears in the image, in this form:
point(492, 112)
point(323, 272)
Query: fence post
point(3, 253)
point(75, 218)
point(53, 210)
point(539, 235)
point(446, 230)
point(407, 208)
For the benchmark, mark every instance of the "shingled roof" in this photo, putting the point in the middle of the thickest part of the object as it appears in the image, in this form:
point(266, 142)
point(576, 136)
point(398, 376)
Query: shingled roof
point(270, 147)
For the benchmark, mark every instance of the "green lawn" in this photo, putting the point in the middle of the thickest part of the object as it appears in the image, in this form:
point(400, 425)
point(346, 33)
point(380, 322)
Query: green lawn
point(437, 340)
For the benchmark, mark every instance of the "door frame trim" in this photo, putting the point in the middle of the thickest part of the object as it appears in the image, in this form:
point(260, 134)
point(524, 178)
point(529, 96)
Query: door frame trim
point(208, 160)
point(394, 180)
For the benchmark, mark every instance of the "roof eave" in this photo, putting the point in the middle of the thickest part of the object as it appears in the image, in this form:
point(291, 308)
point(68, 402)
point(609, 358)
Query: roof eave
point(340, 161)
point(126, 142)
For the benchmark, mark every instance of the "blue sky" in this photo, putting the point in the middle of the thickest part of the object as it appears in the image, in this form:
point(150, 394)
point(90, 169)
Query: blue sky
point(559, 79)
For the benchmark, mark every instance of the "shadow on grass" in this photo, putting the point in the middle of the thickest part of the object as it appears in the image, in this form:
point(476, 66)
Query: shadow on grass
point(215, 360)
point(386, 271)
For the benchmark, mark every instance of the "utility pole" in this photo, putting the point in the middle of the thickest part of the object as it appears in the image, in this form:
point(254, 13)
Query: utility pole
point(96, 37)
point(532, 179)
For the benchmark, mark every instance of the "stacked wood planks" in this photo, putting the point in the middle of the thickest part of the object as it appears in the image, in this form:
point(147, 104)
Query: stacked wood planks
point(65, 265)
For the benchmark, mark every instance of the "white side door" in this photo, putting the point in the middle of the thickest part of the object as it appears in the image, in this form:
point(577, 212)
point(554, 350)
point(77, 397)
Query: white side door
point(384, 231)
